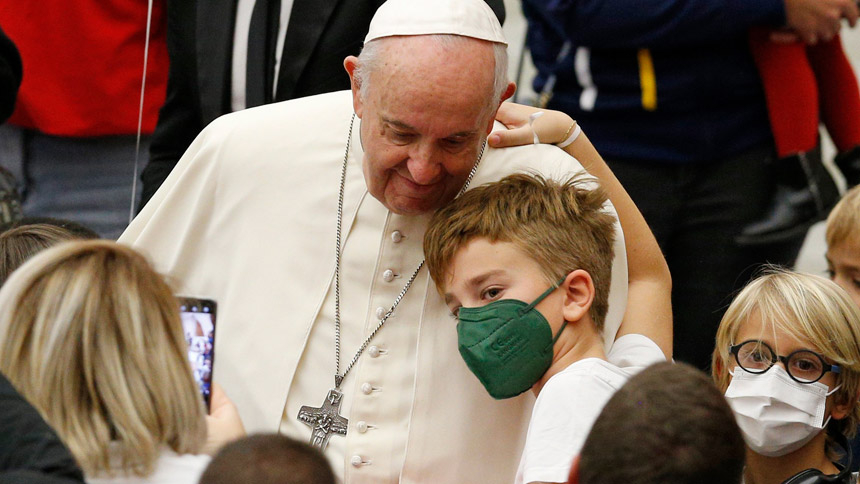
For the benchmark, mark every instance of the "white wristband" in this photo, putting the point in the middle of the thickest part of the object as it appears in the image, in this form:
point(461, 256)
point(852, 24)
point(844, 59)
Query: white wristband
point(532, 118)
point(570, 139)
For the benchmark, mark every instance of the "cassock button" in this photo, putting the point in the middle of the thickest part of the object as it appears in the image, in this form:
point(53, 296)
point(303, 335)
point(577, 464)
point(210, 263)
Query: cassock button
point(388, 275)
point(373, 351)
point(362, 426)
point(355, 461)
point(366, 388)
point(380, 312)
point(396, 236)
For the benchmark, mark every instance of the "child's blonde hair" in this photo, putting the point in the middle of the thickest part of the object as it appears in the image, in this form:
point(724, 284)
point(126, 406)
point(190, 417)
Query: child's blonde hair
point(90, 335)
point(807, 308)
point(562, 226)
point(843, 223)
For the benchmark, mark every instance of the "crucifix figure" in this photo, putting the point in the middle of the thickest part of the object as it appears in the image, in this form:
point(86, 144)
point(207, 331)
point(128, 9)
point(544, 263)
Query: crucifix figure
point(324, 420)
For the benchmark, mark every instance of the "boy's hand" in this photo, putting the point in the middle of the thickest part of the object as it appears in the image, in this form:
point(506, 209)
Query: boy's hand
point(550, 127)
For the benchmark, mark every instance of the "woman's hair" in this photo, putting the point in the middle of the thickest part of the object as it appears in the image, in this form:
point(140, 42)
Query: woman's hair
point(807, 308)
point(90, 335)
point(20, 243)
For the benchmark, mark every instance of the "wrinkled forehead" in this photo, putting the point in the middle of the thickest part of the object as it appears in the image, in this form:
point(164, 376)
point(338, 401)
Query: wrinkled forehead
point(432, 56)
point(453, 74)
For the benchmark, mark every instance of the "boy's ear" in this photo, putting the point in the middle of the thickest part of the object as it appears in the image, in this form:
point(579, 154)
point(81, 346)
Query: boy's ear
point(841, 410)
point(578, 295)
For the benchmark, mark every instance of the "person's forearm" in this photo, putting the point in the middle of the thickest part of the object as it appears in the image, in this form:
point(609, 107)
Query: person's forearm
point(649, 281)
point(649, 309)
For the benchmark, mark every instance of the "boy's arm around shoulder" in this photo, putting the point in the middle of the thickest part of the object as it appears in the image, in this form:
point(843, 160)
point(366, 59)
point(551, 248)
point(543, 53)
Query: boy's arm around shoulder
point(649, 284)
point(649, 293)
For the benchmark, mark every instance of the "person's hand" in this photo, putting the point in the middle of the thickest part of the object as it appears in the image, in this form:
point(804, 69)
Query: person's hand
point(223, 422)
point(552, 127)
point(819, 20)
point(785, 36)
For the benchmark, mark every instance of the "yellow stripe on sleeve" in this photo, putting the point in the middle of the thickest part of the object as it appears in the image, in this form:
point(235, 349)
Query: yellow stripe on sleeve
point(647, 80)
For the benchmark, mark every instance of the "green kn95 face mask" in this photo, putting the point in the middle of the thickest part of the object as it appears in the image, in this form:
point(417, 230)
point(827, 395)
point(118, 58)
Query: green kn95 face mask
point(507, 344)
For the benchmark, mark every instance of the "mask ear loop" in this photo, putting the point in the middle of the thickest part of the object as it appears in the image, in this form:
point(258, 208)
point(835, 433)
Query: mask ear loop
point(542, 296)
point(831, 392)
point(558, 335)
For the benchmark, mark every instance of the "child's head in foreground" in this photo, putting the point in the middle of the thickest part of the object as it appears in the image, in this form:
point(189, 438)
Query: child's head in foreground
point(676, 428)
point(843, 243)
point(268, 459)
point(811, 322)
point(505, 247)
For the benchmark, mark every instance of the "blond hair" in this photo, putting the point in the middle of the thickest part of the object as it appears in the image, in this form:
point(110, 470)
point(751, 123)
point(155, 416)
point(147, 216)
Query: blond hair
point(807, 308)
point(843, 223)
point(90, 335)
point(562, 226)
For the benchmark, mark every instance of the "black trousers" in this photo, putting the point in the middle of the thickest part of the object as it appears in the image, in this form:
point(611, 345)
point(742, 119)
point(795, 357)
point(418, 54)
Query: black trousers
point(695, 211)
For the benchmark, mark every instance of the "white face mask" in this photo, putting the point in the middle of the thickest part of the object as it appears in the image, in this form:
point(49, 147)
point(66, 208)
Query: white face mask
point(776, 414)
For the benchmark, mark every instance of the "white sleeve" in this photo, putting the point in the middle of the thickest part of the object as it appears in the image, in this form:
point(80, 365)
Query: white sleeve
point(635, 351)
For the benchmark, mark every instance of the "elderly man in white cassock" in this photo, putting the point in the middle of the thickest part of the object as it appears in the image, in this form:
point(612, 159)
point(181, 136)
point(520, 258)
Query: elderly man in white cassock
point(304, 221)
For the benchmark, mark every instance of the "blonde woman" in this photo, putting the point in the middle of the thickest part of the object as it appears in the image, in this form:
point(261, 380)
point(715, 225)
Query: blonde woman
point(91, 336)
point(788, 360)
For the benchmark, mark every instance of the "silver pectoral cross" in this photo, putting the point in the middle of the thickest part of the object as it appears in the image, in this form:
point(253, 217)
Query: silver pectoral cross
point(324, 420)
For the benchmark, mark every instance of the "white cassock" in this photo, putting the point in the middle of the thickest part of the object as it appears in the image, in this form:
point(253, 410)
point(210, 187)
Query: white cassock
point(248, 218)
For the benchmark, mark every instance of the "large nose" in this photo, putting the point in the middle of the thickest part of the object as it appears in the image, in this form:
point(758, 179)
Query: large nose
point(425, 164)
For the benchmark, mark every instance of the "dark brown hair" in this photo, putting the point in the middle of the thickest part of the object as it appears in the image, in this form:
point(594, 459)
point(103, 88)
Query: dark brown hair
point(268, 459)
point(20, 243)
point(667, 424)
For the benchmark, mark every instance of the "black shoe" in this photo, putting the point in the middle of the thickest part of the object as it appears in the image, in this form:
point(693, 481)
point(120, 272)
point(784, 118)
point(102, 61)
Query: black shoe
point(805, 193)
point(848, 163)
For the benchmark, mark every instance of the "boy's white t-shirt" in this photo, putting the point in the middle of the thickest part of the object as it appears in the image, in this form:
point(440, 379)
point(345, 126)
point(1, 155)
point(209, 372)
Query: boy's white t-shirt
point(570, 402)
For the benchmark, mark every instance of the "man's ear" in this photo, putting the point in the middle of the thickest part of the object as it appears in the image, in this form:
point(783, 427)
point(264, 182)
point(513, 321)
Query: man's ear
point(841, 410)
point(509, 91)
point(574, 471)
point(351, 64)
point(578, 295)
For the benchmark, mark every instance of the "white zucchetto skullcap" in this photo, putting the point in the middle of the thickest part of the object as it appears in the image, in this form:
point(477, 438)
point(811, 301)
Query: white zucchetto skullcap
point(469, 18)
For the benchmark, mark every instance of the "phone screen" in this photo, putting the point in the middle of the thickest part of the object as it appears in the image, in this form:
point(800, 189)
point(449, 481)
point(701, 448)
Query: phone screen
point(198, 326)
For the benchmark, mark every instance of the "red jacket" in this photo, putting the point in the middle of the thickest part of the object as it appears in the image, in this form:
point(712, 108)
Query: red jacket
point(83, 64)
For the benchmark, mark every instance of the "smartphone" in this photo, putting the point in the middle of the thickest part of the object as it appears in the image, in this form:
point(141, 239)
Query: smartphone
point(198, 326)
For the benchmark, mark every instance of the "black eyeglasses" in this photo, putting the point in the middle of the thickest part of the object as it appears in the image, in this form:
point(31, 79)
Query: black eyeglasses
point(803, 366)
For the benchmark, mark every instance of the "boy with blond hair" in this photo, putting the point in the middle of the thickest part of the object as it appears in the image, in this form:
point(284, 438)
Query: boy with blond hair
point(843, 244)
point(524, 264)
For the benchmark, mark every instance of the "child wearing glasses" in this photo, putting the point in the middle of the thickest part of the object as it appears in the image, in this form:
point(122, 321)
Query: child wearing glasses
point(788, 360)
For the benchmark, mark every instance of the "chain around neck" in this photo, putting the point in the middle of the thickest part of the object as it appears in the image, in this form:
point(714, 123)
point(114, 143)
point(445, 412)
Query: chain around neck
point(338, 376)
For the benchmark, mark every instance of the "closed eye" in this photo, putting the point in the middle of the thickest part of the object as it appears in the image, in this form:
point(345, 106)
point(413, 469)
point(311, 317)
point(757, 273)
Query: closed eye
point(401, 137)
point(455, 144)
